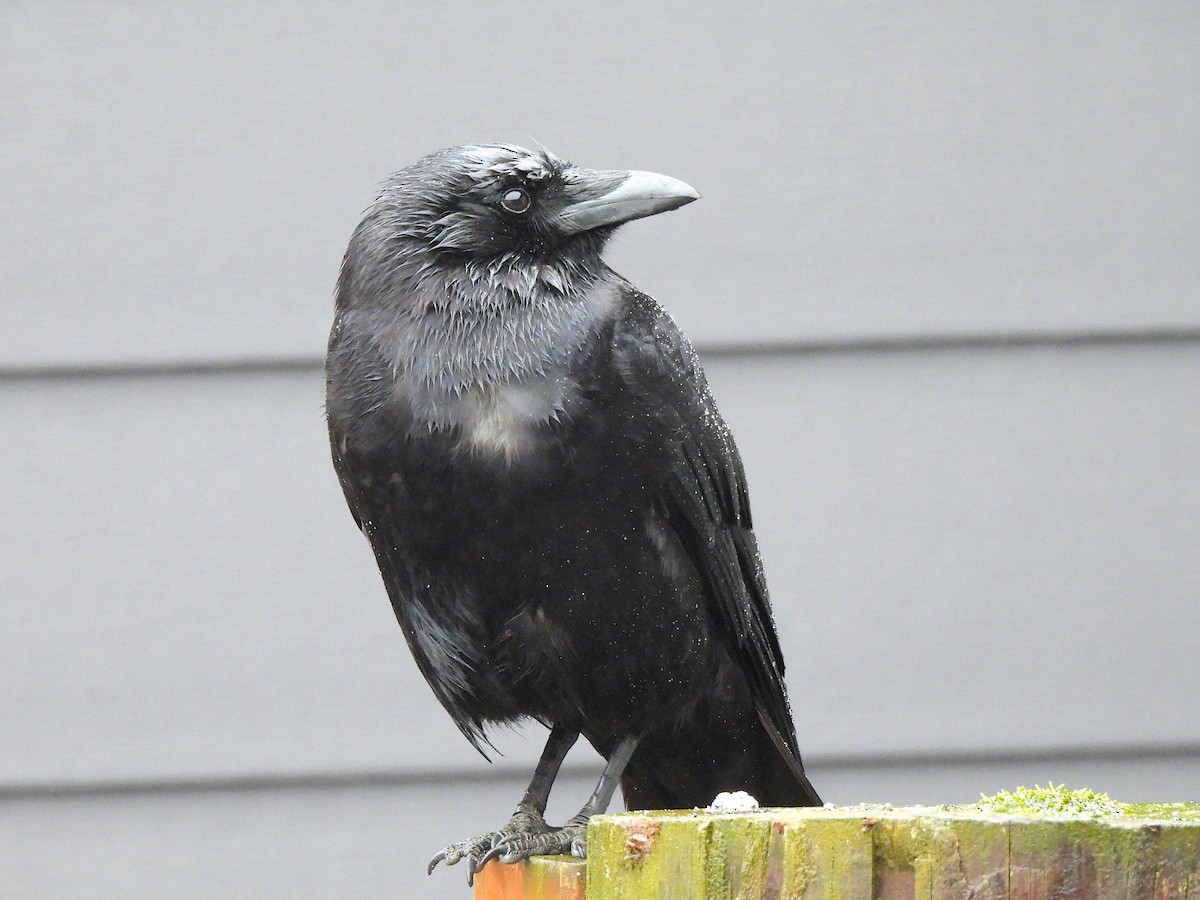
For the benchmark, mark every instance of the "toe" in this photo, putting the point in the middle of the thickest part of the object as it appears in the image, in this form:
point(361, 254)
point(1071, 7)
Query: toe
point(579, 847)
point(433, 863)
point(497, 852)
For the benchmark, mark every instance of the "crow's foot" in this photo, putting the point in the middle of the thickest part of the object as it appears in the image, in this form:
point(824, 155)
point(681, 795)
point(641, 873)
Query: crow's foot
point(525, 825)
point(570, 839)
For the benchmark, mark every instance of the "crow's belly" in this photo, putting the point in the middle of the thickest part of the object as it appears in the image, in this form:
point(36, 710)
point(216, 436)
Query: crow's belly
point(580, 618)
point(618, 644)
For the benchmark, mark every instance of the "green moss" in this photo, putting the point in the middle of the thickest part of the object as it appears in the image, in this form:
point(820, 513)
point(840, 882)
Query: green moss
point(1050, 800)
point(737, 857)
point(1184, 813)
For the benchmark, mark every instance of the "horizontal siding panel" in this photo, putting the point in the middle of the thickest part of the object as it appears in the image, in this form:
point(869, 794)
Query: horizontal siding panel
point(180, 183)
point(375, 842)
point(996, 544)
point(186, 592)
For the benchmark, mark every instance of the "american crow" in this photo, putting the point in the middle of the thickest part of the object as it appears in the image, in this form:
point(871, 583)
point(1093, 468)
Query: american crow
point(557, 508)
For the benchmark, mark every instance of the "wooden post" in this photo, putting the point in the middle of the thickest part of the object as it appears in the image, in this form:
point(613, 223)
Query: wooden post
point(542, 878)
point(1143, 851)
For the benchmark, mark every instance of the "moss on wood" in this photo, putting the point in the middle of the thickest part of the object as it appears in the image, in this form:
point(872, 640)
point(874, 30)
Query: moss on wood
point(1033, 843)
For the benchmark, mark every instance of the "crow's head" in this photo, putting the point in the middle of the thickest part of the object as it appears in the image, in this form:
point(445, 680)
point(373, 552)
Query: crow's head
point(479, 267)
point(497, 200)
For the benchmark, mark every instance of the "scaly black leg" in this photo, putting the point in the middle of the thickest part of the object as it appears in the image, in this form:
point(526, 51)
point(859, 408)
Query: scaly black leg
point(528, 818)
point(572, 837)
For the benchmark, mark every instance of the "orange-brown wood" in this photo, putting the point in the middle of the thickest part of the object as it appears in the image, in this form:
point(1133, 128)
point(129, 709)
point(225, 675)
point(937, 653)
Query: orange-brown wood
point(542, 878)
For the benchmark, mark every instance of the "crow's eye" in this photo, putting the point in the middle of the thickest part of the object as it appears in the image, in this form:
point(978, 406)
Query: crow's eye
point(515, 200)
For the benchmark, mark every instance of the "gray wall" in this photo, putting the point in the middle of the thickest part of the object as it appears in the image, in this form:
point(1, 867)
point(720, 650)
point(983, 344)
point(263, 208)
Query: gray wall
point(944, 279)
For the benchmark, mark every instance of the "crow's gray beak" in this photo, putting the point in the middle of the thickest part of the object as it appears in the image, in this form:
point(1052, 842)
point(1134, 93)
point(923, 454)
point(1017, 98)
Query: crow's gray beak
point(607, 198)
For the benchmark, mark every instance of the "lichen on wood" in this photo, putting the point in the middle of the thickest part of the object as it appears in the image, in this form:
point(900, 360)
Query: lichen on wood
point(1030, 843)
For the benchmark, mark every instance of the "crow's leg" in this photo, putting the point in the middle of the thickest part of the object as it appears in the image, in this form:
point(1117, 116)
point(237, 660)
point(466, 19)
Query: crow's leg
point(528, 818)
point(572, 837)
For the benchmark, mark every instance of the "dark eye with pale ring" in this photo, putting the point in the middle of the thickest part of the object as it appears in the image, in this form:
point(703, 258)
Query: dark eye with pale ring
point(515, 200)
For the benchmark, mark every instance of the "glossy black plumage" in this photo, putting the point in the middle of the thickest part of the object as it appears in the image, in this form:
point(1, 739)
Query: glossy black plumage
point(558, 511)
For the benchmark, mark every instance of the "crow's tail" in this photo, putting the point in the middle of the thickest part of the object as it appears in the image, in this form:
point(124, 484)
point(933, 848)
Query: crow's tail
point(688, 768)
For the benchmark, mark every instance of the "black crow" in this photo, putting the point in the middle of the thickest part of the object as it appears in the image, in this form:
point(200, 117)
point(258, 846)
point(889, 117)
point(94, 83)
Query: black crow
point(557, 508)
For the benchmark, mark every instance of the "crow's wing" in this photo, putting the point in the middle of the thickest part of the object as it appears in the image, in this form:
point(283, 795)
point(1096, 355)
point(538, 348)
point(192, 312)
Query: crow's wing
point(706, 501)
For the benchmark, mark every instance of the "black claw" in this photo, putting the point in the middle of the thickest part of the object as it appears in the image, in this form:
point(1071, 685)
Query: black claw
point(495, 853)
